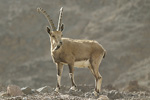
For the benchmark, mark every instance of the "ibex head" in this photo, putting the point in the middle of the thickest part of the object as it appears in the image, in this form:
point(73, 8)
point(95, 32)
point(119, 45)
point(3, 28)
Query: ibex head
point(55, 35)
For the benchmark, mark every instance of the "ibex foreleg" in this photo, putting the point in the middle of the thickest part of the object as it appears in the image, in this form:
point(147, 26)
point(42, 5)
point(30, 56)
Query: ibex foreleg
point(71, 74)
point(59, 73)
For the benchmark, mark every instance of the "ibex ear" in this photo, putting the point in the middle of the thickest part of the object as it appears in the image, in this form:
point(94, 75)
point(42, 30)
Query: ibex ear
point(62, 27)
point(48, 30)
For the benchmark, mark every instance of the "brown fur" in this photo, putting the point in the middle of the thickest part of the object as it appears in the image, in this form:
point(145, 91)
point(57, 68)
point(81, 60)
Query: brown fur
point(77, 50)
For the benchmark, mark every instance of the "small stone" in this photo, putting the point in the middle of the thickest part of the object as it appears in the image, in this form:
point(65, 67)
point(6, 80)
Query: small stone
point(26, 90)
point(73, 92)
point(34, 91)
point(45, 89)
point(46, 98)
point(25, 98)
point(63, 97)
point(15, 98)
point(115, 95)
point(103, 97)
point(18, 98)
point(14, 90)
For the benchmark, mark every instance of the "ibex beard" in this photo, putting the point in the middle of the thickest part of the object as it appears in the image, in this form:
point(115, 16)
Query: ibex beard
point(74, 53)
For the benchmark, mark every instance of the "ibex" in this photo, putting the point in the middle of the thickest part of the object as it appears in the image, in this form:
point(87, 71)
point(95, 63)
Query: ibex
point(74, 53)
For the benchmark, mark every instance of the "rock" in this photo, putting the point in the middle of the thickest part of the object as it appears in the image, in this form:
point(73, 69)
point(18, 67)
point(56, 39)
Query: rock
point(18, 98)
point(46, 98)
point(74, 93)
point(14, 90)
point(103, 97)
point(63, 97)
point(26, 90)
point(114, 95)
point(132, 86)
point(45, 89)
point(15, 98)
point(25, 98)
point(34, 91)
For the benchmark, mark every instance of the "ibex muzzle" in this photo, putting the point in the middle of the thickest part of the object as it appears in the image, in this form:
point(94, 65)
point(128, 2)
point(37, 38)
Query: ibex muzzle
point(74, 53)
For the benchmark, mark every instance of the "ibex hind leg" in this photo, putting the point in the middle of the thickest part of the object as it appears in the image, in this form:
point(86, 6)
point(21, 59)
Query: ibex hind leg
point(95, 62)
point(98, 80)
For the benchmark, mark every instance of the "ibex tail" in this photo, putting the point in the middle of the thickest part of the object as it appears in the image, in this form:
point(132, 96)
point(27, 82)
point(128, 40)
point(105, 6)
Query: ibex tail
point(104, 54)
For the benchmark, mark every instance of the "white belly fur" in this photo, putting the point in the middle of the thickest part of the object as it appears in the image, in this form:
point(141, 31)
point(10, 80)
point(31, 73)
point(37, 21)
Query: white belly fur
point(82, 64)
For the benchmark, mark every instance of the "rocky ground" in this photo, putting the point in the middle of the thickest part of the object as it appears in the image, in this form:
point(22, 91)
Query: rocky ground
point(122, 27)
point(83, 92)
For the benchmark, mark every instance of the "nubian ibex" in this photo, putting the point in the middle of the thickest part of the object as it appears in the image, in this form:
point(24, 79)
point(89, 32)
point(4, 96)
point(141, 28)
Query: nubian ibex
point(74, 53)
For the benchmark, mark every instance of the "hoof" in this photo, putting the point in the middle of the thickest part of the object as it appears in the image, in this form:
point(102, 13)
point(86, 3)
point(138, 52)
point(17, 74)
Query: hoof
point(73, 88)
point(95, 93)
point(56, 90)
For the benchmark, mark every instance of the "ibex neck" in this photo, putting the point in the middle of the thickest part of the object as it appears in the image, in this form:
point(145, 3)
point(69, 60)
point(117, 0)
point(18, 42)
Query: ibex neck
point(52, 46)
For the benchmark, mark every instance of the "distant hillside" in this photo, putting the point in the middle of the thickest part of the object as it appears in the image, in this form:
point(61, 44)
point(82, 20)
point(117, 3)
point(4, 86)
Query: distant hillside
point(139, 72)
point(121, 26)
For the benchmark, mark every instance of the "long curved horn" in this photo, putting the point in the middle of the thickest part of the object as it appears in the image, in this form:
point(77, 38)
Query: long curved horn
point(48, 18)
point(60, 19)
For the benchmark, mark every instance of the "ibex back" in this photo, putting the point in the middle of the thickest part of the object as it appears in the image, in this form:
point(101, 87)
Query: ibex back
point(74, 53)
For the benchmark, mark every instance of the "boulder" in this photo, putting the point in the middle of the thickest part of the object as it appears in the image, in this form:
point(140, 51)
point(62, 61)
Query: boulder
point(26, 90)
point(14, 90)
